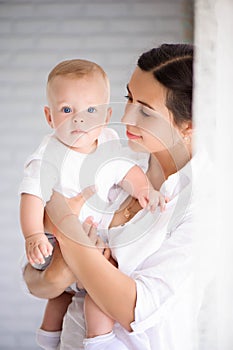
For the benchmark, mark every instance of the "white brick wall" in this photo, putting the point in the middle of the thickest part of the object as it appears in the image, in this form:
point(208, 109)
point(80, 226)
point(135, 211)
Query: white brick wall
point(34, 36)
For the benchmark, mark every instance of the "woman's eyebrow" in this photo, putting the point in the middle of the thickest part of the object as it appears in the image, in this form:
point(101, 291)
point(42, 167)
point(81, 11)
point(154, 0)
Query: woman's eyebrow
point(139, 101)
point(145, 104)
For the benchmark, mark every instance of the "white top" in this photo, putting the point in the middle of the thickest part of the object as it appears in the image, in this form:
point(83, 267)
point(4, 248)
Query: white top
point(157, 251)
point(55, 166)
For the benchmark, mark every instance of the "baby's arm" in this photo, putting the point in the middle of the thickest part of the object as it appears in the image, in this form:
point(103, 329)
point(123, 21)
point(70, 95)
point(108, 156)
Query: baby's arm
point(31, 217)
point(138, 185)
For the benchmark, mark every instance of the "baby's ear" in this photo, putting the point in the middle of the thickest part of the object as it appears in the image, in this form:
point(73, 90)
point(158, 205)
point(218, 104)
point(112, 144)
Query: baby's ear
point(48, 116)
point(109, 114)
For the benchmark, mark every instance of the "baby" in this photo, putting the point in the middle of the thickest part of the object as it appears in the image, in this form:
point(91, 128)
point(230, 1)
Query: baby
point(78, 110)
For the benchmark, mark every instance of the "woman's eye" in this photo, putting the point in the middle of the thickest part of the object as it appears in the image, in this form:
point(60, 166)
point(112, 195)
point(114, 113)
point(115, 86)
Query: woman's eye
point(91, 110)
point(66, 109)
point(145, 112)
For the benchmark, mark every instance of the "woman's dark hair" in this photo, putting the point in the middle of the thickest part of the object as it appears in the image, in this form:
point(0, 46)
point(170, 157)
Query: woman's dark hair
point(172, 66)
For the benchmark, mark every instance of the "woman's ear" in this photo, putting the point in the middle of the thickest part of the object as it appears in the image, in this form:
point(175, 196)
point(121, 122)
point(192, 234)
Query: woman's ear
point(187, 129)
point(48, 116)
point(109, 114)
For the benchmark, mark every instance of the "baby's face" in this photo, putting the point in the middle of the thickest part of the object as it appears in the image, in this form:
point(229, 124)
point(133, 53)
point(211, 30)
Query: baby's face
point(78, 109)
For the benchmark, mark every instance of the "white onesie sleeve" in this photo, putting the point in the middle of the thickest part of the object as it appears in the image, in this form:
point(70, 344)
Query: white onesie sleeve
point(40, 172)
point(39, 179)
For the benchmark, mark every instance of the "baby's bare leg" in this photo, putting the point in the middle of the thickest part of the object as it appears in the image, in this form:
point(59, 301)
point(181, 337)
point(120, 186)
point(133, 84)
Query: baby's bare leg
point(97, 322)
point(48, 335)
point(99, 329)
point(55, 311)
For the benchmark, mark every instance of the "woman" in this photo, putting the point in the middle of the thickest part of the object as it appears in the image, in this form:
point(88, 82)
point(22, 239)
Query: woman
point(151, 295)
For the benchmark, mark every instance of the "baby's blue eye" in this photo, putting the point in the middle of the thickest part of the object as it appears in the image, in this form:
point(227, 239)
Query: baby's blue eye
point(67, 110)
point(91, 110)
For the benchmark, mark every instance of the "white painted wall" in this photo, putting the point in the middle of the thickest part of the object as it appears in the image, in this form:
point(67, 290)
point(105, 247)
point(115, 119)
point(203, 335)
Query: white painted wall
point(213, 115)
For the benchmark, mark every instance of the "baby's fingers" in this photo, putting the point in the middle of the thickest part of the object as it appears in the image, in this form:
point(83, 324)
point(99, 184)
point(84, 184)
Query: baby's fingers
point(153, 201)
point(162, 203)
point(152, 205)
point(30, 259)
point(37, 256)
point(45, 248)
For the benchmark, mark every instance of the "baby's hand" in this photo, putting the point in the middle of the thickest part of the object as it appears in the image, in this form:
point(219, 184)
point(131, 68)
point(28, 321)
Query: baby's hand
point(151, 199)
point(38, 247)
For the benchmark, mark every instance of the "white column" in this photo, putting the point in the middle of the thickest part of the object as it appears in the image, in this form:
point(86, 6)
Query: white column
point(213, 113)
point(224, 171)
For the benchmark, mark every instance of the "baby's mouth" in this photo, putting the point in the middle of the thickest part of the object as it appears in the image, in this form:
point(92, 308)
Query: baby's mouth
point(77, 131)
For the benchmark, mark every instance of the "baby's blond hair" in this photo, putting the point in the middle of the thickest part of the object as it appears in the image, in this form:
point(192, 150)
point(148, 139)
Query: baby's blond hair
point(76, 68)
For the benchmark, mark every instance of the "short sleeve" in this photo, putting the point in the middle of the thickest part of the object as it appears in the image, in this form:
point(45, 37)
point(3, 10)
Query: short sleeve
point(128, 159)
point(39, 179)
point(31, 180)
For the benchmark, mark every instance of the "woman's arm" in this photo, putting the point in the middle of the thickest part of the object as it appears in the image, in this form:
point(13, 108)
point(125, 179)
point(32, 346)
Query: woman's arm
point(113, 291)
point(52, 281)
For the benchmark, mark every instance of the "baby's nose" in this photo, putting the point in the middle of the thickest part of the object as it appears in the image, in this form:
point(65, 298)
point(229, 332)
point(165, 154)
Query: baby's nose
point(78, 119)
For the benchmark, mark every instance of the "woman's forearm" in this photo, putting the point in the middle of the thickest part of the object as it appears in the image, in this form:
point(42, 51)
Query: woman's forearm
point(39, 283)
point(111, 290)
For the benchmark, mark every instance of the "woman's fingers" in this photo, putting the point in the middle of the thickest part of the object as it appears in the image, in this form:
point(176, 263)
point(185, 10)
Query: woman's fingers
point(90, 228)
point(87, 224)
point(88, 192)
point(93, 234)
point(107, 253)
point(59, 207)
point(100, 244)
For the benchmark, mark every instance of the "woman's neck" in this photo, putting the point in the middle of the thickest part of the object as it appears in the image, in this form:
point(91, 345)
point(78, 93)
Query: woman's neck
point(165, 163)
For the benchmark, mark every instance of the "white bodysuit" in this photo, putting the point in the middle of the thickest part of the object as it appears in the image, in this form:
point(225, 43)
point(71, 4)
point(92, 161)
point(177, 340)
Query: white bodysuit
point(55, 166)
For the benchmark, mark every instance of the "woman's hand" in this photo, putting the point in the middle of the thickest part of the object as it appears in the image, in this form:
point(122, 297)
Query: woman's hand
point(59, 207)
point(91, 230)
point(58, 270)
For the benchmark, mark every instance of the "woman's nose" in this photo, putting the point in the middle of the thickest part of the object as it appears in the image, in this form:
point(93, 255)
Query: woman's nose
point(130, 114)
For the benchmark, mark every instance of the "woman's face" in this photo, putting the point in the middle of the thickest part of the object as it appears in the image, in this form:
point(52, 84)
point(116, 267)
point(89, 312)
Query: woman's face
point(149, 124)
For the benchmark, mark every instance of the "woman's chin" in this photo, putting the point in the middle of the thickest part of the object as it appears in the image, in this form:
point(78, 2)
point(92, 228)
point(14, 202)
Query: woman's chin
point(136, 147)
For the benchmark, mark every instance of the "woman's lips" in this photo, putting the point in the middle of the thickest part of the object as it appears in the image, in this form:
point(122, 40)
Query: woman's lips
point(132, 136)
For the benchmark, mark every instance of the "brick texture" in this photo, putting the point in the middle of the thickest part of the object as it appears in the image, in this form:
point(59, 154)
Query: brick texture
point(34, 36)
